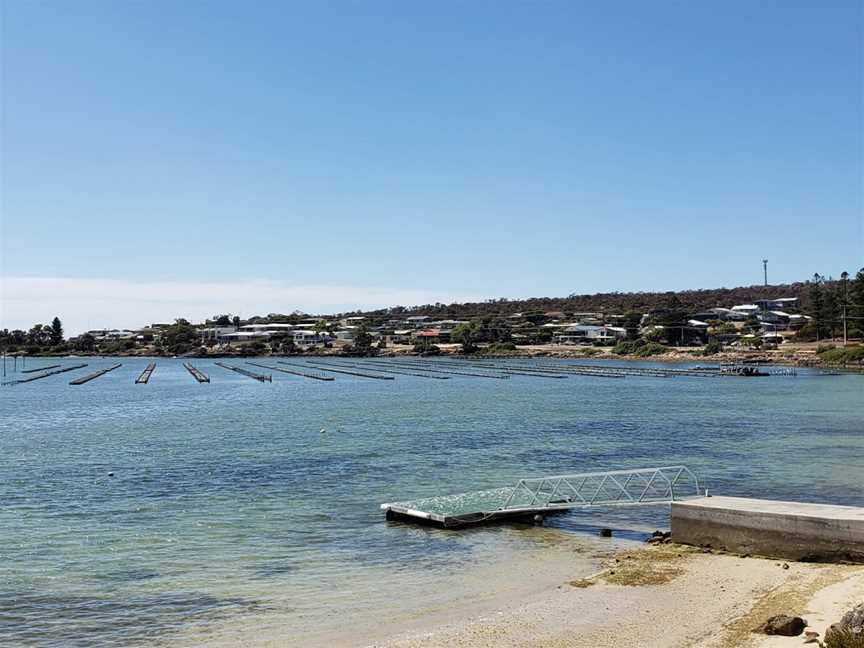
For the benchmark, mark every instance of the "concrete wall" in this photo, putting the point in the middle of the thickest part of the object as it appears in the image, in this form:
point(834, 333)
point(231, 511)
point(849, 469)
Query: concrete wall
point(790, 530)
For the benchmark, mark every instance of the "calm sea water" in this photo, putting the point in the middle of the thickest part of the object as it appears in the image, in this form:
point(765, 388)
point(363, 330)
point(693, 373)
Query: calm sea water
point(228, 501)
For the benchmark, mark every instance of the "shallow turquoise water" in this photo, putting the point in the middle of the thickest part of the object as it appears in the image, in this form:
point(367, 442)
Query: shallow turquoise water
point(227, 499)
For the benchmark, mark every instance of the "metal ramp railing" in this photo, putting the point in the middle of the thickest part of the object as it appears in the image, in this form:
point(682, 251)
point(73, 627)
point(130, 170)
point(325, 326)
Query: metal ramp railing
point(611, 488)
point(537, 495)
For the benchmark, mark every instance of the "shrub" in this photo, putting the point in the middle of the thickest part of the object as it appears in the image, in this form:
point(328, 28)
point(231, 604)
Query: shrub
point(628, 347)
point(500, 347)
point(712, 348)
point(842, 355)
point(650, 349)
point(655, 335)
point(807, 333)
point(755, 343)
point(639, 348)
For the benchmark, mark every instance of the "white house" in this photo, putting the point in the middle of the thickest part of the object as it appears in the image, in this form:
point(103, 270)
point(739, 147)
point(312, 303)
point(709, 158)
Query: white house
point(272, 327)
point(589, 333)
point(402, 336)
point(245, 336)
point(746, 309)
point(777, 304)
point(305, 338)
point(417, 321)
point(346, 333)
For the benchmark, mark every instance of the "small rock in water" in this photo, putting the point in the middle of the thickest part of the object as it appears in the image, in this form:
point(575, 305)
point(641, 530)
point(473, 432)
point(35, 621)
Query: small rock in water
point(538, 519)
point(605, 533)
point(323, 431)
point(659, 537)
point(783, 625)
point(110, 474)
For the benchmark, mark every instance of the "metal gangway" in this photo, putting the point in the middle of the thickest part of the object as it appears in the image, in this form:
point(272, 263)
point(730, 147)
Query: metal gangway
point(546, 495)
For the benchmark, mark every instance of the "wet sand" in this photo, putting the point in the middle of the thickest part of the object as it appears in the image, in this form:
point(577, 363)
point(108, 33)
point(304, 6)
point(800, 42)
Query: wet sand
point(666, 596)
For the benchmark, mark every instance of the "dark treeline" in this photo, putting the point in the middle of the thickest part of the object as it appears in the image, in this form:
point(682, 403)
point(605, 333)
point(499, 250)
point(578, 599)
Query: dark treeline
point(615, 302)
point(643, 302)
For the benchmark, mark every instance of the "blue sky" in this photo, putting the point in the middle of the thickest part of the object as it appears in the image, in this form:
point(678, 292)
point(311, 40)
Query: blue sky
point(331, 155)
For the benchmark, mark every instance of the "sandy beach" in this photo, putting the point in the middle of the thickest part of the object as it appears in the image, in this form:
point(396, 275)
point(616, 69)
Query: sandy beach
point(662, 597)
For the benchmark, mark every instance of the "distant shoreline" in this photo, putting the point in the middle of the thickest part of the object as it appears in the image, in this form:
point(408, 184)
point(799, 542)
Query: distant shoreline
point(799, 356)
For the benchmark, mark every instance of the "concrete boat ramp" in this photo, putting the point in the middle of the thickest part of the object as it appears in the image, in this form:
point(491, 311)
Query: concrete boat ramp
point(792, 530)
point(777, 529)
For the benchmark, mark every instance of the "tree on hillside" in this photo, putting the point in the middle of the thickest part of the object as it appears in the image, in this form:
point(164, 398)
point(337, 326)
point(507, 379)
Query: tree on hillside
point(12, 340)
point(632, 320)
point(817, 303)
point(55, 335)
point(221, 320)
point(180, 337)
point(855, 305)
point(831, 310)
point(85, 342)
point(853, 298)
point(38, 335)
point(362, 343)
point(464, 335)
point(362, 340)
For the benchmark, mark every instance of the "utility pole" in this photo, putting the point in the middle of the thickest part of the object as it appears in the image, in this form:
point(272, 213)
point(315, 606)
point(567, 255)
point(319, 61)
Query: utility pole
point(765, 270)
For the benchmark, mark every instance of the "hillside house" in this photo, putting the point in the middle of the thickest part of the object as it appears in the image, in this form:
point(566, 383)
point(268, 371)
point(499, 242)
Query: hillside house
point(589, 334)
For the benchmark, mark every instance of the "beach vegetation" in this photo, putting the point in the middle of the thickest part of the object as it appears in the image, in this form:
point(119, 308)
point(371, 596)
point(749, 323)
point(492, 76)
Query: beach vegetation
point(752, 342)
point(712, 348)
point(654, 335)
point(426, 349)
point(640, 348)
point(498, 348)
point(654, 566)
point(841, 355)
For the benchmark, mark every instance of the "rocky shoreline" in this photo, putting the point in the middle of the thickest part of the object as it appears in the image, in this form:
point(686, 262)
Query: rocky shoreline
point(797, 357)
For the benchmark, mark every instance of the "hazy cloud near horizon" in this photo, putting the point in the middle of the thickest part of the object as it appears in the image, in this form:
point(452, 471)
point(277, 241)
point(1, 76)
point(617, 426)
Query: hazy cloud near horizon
point(84, 304)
